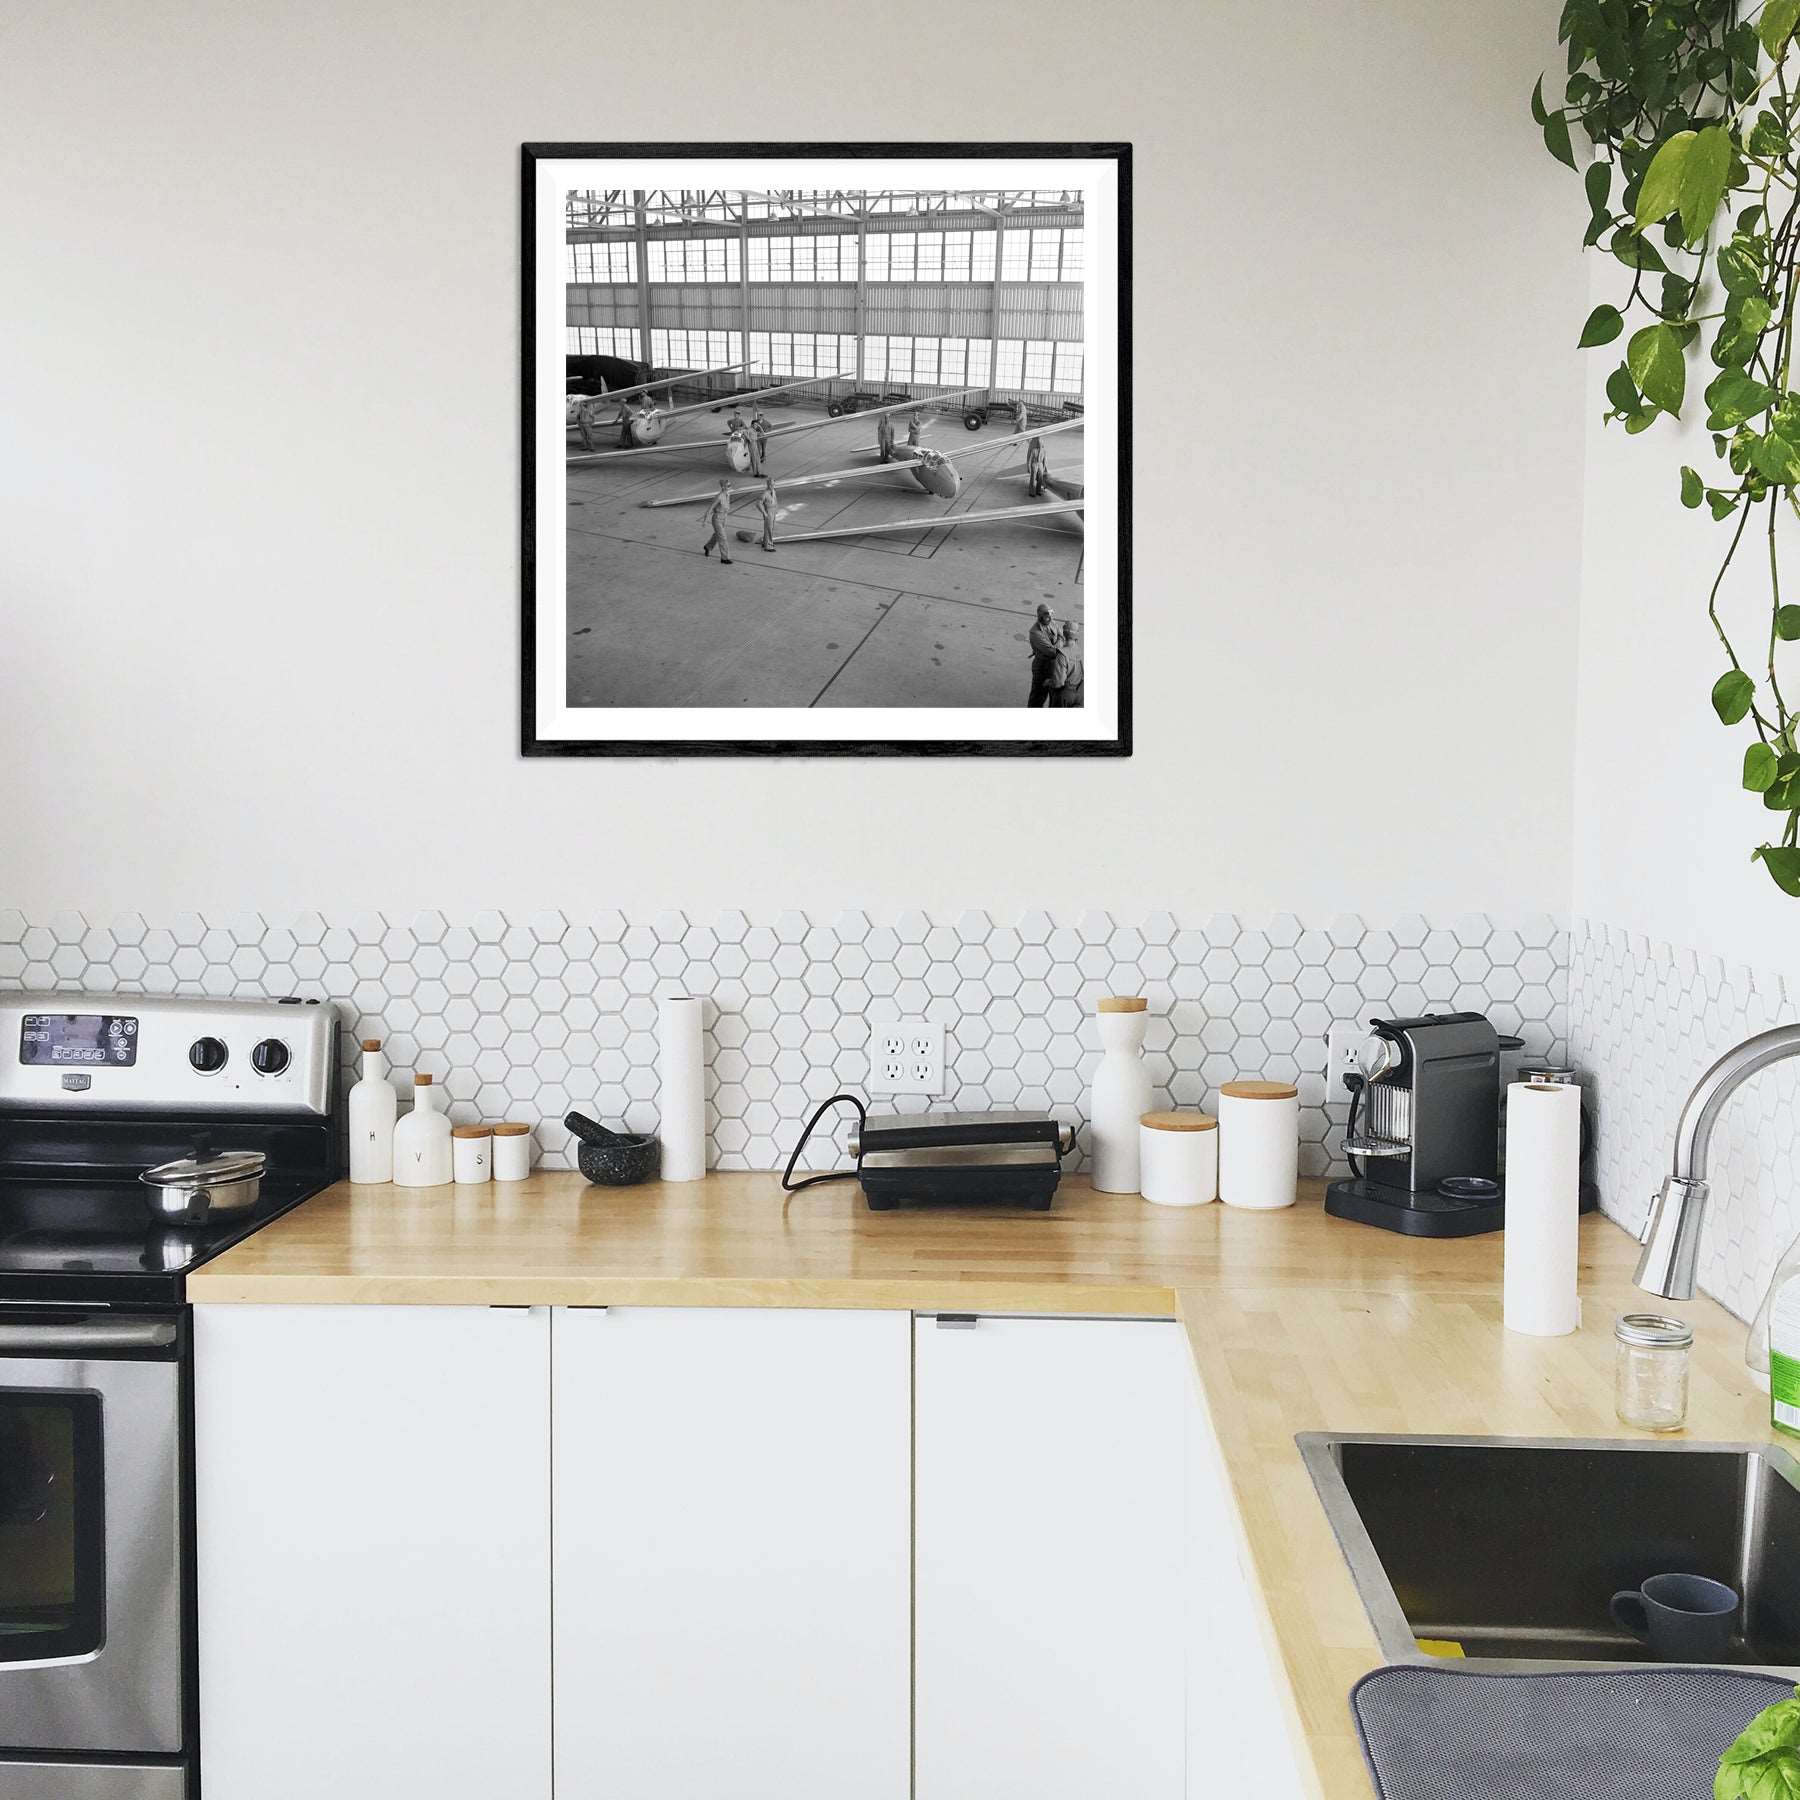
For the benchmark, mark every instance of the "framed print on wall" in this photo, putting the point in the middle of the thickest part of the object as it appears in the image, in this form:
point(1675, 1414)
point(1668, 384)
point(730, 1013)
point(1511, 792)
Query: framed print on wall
point(826, 450)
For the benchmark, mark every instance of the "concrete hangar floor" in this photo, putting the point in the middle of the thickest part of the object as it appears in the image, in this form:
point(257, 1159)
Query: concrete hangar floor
point(930, 617)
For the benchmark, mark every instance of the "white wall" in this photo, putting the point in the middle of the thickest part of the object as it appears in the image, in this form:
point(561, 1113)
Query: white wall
point(1663, 830)
point(258, 474)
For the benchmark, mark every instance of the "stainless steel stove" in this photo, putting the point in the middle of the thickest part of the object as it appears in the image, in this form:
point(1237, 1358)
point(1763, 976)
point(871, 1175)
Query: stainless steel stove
point(97, 1664)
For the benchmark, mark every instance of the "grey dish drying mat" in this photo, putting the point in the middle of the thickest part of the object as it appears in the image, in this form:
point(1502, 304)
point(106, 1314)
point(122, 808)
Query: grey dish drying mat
point(1443, 1733)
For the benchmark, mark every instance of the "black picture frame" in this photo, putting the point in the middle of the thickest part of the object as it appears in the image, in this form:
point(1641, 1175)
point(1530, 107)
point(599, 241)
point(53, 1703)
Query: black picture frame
point(532, 744)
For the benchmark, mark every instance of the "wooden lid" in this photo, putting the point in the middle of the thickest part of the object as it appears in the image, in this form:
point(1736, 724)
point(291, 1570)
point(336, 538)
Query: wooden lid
point(1261, 1090)
point(472, 1131)
point(510, 1128)
point(1180, 1119)
point(371, 1043)
point(1123, 1003)
point(421, 1081)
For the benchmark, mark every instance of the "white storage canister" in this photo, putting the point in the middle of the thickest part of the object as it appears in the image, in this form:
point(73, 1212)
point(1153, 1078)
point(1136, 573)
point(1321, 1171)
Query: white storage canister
point(1259, 1143)
point(1178, 1157)
point(512, 1151)
point(472, 1152)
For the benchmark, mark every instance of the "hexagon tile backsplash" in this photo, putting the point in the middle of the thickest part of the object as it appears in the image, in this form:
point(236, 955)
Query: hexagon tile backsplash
point(526, 1016)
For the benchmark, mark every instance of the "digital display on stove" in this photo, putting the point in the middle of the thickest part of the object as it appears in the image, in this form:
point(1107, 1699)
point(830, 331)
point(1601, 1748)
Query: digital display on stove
point(78, 1040)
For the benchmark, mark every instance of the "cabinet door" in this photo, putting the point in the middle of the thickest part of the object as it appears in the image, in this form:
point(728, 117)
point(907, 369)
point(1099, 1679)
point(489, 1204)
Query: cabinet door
point(374, 1551)
point(1049, 1492)
point(732, 1519)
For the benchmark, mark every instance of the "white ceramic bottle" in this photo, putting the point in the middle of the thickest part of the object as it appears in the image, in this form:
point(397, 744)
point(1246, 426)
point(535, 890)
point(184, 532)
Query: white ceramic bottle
point(422, 1141)
point(1121, 1094)
point(373, 1106)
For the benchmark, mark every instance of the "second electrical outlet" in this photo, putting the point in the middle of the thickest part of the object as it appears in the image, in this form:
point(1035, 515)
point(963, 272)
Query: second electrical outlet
point(906, 1056)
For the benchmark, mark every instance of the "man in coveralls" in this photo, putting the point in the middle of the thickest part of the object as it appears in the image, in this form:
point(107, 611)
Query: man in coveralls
point(765, 504)
point(1023, 414)
point(716, 516)
point(915, 426)
point(761, 427)
point(884, 436)
point(1037, 466)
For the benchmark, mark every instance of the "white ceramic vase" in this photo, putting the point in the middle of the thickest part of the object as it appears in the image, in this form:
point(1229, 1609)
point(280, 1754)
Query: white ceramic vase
point(1120, 1097)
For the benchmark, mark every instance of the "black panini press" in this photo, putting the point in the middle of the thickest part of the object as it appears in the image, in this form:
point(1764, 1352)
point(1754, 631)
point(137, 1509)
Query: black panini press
point(1003, 1158)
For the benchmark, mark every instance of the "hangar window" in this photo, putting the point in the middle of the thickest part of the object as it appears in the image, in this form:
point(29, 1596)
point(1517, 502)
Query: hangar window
point(803, 259)
point(759, 351)
point(980, 359)
point(925, 360)
point(952, 360)
point(874, 359)
point(1068, 368)
point(1046, 250)
point(1038, 362)
point(930, 256)
point(900, 256)
point(1072, 253)
point(899, 359)
point(603, 263)
point(1009, 363)
point(981, 265)
point(1015, 256)
point(956, 255)
point(875, 254)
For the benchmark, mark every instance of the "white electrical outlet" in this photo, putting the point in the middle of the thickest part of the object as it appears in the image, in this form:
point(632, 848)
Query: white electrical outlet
point(1341, 1044)
point(906, 1056)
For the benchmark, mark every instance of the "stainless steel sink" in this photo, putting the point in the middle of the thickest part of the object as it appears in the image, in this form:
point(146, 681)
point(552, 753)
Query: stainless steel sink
point(1514, 1547)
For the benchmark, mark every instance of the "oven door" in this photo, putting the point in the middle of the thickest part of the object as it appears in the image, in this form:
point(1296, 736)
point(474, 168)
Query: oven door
point(90, 1534)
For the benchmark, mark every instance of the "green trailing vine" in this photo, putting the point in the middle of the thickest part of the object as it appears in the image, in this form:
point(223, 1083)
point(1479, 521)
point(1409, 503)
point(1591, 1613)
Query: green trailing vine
point(1693, 189)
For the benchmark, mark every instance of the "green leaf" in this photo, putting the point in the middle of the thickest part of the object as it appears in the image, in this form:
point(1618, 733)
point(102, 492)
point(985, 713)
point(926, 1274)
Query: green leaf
point(1693, 489)
point(1636, 251)
point(1783, 863)
point(1538, 110)
point(1787, 623)
point(1704, 175)
point(1659, 194)
point(1760, 768)
point(1603, 325)
point(1740, 264)
point(1768, 137)
point(1621, 390)
point(1556, 140)
point(1776, 1774)
point(1776, 26)
point(1598, 184)
point(1754, 312)
point(1731, 696)
point(1654, 358)
point(1776, 457)
point(1723, 504)
point(1735, 397)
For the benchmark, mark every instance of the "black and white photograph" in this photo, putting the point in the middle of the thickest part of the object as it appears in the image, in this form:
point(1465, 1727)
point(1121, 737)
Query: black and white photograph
point(826, 453)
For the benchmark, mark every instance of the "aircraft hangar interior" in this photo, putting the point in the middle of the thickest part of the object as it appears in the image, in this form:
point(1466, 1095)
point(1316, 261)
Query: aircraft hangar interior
point(890, 384)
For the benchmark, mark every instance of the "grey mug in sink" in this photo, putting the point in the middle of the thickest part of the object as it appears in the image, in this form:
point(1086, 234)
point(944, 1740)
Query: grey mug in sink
point(1683, 1618)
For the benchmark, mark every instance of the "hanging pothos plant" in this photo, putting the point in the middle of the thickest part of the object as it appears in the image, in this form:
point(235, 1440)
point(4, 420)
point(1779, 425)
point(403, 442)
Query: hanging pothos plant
point(1694, 189)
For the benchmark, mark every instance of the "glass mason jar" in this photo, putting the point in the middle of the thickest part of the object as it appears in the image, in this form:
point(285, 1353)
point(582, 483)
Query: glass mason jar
point(1650, 1378)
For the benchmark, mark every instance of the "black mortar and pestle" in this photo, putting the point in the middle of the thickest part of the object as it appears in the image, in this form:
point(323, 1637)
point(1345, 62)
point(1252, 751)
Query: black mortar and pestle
point(613, 1158)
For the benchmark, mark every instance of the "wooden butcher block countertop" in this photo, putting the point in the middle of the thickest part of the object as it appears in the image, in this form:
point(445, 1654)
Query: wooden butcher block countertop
point(1297, 1322)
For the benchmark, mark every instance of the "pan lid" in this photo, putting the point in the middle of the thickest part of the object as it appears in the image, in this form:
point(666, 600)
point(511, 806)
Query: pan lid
point(204, 1171)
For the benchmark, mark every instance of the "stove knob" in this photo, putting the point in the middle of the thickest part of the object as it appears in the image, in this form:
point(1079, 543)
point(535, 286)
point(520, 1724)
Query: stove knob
point(269, 1057)
point(207, 1055)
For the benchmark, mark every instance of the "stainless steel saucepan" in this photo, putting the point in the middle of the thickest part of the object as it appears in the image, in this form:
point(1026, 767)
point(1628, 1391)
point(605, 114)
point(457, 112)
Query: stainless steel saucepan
point(193, 1189)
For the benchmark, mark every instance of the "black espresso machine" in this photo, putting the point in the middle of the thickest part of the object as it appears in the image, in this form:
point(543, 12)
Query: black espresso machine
point(1424, 1136)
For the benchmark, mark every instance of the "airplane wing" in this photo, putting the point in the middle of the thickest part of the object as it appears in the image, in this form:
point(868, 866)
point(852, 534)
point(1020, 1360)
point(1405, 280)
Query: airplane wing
point(645, 387)
point(875, 412)
point(937, 522)
point(901, 465)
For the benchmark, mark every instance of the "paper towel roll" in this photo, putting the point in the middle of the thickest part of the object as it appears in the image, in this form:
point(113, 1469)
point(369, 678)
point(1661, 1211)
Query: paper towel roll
point(1543, 1207)
point(683, 1098)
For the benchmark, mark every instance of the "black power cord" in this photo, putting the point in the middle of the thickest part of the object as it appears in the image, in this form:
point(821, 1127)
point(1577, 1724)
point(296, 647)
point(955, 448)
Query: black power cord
point(788, 1184)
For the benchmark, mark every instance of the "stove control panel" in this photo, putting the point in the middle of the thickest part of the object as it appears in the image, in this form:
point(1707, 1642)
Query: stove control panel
point(73, 1050)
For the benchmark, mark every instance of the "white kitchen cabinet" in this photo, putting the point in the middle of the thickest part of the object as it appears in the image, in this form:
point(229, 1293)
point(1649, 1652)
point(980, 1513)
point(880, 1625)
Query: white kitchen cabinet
point(1049, 1496)
point(732, 1550)
point(374, 1551)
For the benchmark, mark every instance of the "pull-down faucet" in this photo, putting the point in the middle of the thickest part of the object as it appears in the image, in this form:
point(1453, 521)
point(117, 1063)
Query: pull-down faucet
point(1671, 1234)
